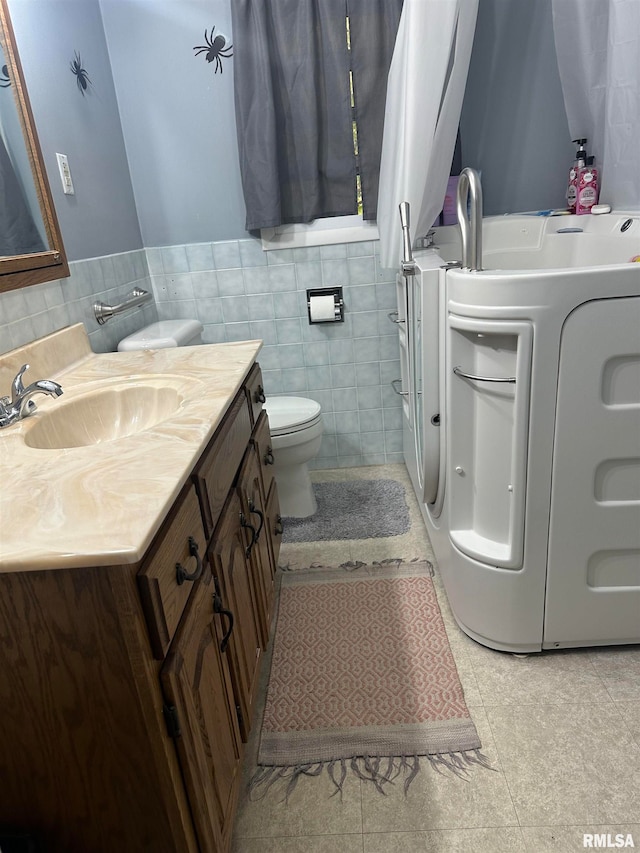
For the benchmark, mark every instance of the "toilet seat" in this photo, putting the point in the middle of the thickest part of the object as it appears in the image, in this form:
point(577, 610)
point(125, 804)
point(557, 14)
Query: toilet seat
point(291, 414)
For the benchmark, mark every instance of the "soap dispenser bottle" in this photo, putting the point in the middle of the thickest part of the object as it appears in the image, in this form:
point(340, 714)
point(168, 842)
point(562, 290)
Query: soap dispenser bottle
point(574, 172)
point(588, 189)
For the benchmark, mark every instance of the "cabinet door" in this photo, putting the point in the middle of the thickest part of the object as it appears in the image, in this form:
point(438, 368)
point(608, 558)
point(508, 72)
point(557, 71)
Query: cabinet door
point(255, 392)
point(259, 550)
point(235, 586)
point(201, 710)
point(261, 438)
point(274, 522)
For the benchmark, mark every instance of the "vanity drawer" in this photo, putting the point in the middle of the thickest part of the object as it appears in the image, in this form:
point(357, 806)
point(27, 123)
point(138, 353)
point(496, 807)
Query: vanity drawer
point(175, 562)
point(262, 439)
point(216, 471)
point(255, 392)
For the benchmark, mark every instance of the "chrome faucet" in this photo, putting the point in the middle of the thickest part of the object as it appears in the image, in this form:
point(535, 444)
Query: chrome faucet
point(20, 404)
point(469, 186)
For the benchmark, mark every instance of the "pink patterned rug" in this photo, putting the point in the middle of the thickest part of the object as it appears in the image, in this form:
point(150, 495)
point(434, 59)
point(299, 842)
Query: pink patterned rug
point(362, 679)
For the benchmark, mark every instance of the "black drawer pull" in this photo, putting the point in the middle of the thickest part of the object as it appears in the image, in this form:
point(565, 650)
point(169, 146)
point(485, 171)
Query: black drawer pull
point(268, 457)
point(218, 608)
point(182, 574)
point(278, 527)
point(260, 514)
point(259, 396)
point(244, 523)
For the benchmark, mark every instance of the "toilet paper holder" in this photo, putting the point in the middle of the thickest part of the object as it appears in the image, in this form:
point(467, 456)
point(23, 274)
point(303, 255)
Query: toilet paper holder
point(338, 303)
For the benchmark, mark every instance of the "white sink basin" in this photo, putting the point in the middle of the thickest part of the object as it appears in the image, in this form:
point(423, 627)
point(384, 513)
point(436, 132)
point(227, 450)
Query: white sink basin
point(105, 414)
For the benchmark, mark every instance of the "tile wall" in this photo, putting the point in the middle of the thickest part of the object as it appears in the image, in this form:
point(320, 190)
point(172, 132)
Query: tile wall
point(33, 312)
point(239, 292)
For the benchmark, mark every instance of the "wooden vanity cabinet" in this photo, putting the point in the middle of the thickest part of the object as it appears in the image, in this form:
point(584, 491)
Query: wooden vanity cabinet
point(235, 586)
point(126, 690)
point(85, 760)
point(201, 715)
point(259, 555)
point(218, 703)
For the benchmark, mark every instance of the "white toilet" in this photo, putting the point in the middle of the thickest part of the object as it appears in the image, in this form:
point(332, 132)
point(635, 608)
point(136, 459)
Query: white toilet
point(164, 334)
point(296, 434)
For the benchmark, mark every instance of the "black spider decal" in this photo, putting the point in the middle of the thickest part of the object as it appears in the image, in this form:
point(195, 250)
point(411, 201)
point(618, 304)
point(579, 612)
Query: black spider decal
point(5, 80)
point(215, 48)
point(82, 78)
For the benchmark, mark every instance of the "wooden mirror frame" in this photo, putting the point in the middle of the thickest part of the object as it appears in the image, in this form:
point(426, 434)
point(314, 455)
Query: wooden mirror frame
point(24, 270)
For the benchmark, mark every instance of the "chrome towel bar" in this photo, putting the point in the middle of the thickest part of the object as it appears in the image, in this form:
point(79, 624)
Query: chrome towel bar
point(459, 372)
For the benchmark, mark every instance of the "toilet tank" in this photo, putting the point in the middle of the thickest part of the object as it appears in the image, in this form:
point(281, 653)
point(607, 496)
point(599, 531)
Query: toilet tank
point(164, 334)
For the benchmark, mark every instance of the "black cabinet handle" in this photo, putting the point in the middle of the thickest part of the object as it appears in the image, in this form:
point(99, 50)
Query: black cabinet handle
point(182, 574)
point(218, 608)
point(260, 514)
point(268, 457)
point(278, 527)
point(245, 523)
point(259, 396)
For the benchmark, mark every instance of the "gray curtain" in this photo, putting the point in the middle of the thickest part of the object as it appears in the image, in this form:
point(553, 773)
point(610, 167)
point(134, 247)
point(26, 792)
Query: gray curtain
point(18, 232)
point(374, 24)
point(293, 111)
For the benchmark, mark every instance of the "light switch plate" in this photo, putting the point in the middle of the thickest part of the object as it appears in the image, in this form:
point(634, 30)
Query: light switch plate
point(65, 174)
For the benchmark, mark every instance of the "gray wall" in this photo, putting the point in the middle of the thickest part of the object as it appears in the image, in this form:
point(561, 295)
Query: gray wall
point(101, 217)
point(178, 119)
point(514, 126)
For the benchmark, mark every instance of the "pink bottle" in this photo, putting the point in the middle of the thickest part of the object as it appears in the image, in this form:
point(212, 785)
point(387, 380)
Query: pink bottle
point(588, 189)
point(572, 185)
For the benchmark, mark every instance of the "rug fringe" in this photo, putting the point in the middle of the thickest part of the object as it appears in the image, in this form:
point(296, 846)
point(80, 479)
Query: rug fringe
point(369, 769)
point(354, 565)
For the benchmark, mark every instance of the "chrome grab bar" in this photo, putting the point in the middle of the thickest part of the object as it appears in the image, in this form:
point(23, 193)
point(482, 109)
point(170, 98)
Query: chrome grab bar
point(469, 186)
point(135, 299)
point(408, 264)
point(509, 379)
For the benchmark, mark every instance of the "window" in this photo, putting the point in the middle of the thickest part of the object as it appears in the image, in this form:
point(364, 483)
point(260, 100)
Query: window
point(310, 81)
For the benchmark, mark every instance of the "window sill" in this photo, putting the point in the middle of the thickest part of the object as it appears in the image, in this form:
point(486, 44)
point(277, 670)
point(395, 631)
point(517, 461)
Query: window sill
point(322, 232)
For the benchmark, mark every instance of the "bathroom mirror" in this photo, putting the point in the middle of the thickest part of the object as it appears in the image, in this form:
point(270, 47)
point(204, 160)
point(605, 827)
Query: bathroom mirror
point(31, 249)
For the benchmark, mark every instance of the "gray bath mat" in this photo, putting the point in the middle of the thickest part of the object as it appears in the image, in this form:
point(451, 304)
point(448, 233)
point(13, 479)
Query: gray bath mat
point(357, 509)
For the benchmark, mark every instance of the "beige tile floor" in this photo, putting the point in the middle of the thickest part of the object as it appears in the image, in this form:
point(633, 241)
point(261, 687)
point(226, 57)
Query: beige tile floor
point(562, 730)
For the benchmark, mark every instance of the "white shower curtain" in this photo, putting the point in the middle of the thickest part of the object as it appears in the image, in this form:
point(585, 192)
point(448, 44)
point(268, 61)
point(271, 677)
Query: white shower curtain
point(598, 48)
point(424, 98)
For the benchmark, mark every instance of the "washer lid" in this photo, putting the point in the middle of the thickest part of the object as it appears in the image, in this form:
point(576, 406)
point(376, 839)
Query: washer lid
point(162, 335)
point(289, 413)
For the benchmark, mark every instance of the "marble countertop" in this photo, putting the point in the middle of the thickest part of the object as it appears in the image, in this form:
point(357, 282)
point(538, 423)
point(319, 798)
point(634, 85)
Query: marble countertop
point(102, 504)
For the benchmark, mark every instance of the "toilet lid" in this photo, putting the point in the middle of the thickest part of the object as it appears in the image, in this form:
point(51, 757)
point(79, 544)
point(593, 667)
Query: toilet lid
point(162, 335)
point(290, 413)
